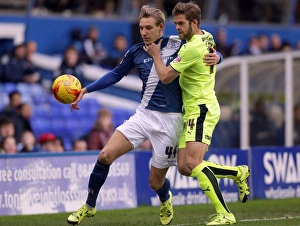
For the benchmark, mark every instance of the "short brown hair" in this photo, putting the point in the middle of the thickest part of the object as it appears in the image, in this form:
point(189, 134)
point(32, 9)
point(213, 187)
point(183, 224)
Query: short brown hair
point(191, 11)
point(157, 14)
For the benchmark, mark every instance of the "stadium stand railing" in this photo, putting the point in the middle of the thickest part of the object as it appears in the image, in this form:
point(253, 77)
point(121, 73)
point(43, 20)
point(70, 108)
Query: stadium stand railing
point(244, 78)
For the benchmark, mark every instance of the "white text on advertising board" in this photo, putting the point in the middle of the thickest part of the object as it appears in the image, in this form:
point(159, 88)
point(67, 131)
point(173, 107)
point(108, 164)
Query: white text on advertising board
point(282, 167)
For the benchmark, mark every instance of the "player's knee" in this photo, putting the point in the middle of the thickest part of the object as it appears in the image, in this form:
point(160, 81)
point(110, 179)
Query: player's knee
point(105, 157)
point(154, 185)
point(184, 170)
point(191, 163)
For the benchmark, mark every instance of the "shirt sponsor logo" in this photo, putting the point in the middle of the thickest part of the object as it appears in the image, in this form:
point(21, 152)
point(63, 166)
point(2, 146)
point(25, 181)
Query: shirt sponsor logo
point(281, 168)
point(147, 60)
point(163, 58)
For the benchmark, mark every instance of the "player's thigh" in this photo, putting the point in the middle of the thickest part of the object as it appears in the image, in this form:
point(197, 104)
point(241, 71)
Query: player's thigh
point(116, 146)
point(157, 177)
point(135, 129)
point(181, 156)
point(200, 122)
point(182, 160)
point(195, 152)
point(191, 156)
point(164, 139)
point(211, 120)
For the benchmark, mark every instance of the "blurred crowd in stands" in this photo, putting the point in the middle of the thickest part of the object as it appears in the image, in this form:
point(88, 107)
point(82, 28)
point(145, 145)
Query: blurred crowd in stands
point(16, 132)
point(270, 11)
point(256, 45)
point(16, 64)
point(17, 135)
point(259, 11)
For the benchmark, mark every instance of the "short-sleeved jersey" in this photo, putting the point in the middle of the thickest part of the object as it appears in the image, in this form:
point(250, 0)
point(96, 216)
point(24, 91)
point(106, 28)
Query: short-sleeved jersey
point(154, 95)
point(197, 81)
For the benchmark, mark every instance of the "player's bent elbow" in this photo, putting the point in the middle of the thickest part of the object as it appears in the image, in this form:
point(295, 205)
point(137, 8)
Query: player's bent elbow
point(168, 75)
point(166, 80)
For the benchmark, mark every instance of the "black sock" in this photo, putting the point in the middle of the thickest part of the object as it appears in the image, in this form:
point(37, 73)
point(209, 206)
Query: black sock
point(97, 179)
point(163, 193)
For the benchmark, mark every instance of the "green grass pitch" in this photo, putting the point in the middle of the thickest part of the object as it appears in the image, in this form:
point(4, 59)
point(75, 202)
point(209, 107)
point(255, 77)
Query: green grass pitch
point(284, 212)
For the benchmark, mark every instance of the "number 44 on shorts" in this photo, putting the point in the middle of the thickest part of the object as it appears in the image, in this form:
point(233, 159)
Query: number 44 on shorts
point(171, 151)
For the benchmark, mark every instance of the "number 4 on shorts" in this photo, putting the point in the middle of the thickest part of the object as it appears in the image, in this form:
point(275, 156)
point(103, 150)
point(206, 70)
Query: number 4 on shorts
point(171, 151)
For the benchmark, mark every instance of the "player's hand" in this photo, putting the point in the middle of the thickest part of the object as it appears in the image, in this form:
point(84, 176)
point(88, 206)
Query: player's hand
point(153, 49)
point(211, 58)
point(74, 105)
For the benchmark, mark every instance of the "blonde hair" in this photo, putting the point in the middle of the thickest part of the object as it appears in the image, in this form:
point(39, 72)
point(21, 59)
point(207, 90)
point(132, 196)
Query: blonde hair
point(103, 112)
point(157, 14)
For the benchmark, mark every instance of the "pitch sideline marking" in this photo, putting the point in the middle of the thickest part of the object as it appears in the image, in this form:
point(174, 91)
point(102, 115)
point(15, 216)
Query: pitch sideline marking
point(272, 219)
point(248, 220)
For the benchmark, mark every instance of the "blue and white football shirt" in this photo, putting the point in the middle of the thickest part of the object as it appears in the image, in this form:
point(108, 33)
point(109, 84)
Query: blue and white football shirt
point(154, 95)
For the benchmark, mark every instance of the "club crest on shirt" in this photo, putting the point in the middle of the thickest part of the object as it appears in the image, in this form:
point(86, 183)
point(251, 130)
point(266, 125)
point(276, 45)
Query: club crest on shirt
point(209, 41)
point(172, 44)
point(177, 59)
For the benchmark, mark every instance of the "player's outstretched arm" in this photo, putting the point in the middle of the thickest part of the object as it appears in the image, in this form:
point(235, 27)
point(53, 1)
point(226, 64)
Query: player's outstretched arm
point(74, 105)
point(105, 81)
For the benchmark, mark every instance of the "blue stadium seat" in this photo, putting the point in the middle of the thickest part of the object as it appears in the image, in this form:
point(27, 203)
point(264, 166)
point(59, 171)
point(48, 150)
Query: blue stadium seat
point(38, 90)
point(4, 100)
point(51, 116)
point(52, 101)
point(40, 122)
point(42, 110)
point(67, 143)
point(92, 103)
point(84, 104)
point(119, 115)
point(40, 125)
point(9, 87)
point(85, 124)
point(60, 131)
point(2, 88)
point(37, 112)
point(26, 99)
point(40, 98)
point(24, 88)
